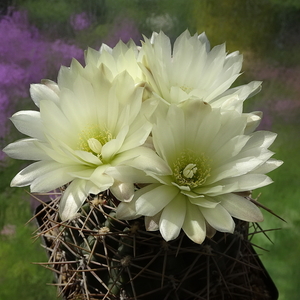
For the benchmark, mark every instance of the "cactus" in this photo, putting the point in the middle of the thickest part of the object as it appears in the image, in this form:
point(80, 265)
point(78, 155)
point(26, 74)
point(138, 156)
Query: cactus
point(96, 256)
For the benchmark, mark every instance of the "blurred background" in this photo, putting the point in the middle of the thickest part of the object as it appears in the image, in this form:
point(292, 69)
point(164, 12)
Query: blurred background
point(37, 36)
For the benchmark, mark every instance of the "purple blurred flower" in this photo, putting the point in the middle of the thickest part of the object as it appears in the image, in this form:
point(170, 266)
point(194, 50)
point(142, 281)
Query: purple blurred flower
point(4, 109)
point(123, 30)
point(26, 57)
point(21, 45)
point(62, 53)
point(80, 21)
point(286, 109)
point(21, 61)
point(12, 76)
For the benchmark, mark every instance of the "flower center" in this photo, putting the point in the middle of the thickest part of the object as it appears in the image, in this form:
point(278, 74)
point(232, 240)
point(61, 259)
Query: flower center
point(191, 169)
point(93, 138)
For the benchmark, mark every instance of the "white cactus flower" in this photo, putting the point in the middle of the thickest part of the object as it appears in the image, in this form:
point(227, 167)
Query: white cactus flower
point(192, 69)
point(211, 161)
point(88, 126)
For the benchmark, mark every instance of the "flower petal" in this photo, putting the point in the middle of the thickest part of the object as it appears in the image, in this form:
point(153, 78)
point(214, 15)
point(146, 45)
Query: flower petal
point(110, 149)
point(236, 167)
point(246, 182)
point(29, 123)
point(218, 218)
point(40, 92)
point(210, 231)
point(127, 211)
point(145, 159)
point(268, 166)
point(154, 198)
point(240, 208)
point(43, 176)
point(203, 201)
point(122, 191)
point(100, 179)
point(172, 218)
point(129, 174)
point(56, 125)
point(152, 223)
point(25, 149)
point(72, 199)
point(194, 224)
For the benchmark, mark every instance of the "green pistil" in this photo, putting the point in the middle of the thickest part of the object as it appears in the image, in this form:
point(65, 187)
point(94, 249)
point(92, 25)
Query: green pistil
point(191, 169)
point(93, 138)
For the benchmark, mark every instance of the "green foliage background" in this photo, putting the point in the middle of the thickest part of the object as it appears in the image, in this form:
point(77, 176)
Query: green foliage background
point(267, 32)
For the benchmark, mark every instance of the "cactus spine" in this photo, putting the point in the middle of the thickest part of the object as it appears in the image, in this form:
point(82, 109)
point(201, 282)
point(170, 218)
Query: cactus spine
point(96, 256)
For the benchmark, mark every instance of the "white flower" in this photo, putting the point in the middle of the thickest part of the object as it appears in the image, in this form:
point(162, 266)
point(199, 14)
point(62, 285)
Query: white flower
point(123, 57)
point(112, 61)
point(211, 160)
point(192, 69)
point(88, 128)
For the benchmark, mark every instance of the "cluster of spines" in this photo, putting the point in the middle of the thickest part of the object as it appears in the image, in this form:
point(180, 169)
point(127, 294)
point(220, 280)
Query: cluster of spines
point(96, 256)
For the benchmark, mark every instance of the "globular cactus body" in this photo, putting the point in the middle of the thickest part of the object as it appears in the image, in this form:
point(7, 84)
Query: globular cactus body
point(96, 256)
